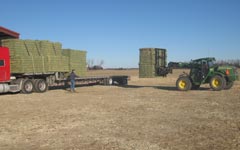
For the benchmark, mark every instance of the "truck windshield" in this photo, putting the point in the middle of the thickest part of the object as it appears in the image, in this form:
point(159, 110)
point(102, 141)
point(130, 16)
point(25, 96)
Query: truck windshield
point(1, 63)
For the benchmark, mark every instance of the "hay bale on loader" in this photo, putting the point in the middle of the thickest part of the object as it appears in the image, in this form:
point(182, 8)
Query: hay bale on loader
point(151, 59)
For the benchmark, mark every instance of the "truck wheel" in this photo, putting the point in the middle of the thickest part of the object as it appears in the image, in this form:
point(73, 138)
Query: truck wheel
point(229, 85)
point(27, 86)
point(40, 85)
point(124, 81)
point(108, 81)
point(184, 84)
point(217, 83)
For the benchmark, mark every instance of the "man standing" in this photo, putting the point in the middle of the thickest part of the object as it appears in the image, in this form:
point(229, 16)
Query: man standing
point(72, 80)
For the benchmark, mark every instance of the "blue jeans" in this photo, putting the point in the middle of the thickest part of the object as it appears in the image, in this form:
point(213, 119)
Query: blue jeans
point(72, 87)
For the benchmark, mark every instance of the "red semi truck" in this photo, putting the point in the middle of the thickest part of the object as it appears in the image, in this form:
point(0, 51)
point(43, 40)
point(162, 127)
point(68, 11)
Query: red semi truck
point(39, 82)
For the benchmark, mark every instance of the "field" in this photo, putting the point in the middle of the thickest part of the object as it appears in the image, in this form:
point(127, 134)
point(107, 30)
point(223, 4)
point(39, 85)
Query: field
point(148, 114)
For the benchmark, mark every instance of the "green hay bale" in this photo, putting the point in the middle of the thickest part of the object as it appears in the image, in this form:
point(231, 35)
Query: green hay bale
point(32, 47)
point(76, 60)
point(34, 56)
point(150, 60)
point(50, 48)
point(147, 71)
point(16, 47)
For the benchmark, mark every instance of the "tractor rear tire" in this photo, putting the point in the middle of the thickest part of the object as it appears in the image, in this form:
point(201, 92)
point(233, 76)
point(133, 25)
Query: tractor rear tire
point(217, 83)
point(229, 85)
point(184, 84)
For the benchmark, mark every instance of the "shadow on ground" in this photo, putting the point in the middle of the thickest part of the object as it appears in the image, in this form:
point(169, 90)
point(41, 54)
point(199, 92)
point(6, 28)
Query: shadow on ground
point(67, 88)
point(167, 88)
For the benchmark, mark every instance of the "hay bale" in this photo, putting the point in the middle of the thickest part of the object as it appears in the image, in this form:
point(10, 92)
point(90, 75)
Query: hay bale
point(50, 48)
point(150, 60)
point(55, 64)
point(32, 47)
point(147, 71)
point(76, 60)
point(22, 52)
point(17, 47)
point(35, 56)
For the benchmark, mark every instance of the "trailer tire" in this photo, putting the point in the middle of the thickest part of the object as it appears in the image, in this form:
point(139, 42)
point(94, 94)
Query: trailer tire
point(27, 86)
point(108, 81)
point(40, 85)
point(124, 81)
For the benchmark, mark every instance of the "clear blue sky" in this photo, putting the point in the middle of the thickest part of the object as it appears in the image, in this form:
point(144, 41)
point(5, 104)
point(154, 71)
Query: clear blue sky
point(114, 30)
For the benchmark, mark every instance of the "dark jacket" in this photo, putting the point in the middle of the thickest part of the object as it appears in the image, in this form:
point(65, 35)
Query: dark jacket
point(73, 76)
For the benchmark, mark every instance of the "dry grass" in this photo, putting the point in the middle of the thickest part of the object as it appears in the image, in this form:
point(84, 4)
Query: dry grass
point(149, 114)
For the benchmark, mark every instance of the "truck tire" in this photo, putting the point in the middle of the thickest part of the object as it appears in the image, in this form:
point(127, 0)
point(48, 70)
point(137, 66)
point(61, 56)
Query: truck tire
point(217, 83)
point(184, 84)
point(27, 86)
point(40, 85)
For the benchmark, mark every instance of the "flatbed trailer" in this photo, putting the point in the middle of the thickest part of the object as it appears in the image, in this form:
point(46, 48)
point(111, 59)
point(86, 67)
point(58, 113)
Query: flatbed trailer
point(40, 82)
point(96, 80)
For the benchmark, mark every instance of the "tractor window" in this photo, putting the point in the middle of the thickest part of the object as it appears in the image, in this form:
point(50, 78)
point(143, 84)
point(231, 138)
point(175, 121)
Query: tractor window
point(1, 63)
point(210, 63)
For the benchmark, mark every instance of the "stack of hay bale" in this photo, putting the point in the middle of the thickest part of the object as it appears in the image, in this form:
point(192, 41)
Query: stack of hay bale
point(35, 56)
point(76, 60)
point(150, 60)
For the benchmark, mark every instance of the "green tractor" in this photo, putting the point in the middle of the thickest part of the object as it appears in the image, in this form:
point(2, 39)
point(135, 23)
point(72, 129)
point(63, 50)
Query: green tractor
point(204, 71)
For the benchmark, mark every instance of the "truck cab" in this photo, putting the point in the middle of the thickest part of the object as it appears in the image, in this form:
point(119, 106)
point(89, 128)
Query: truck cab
point(4, 64)
point(5, 54)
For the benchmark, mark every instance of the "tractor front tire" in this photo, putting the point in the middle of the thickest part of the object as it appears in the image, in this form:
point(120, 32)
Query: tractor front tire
point(217, 83)
point(184, 84)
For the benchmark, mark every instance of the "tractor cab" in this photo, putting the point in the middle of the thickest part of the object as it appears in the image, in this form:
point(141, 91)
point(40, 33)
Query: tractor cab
point(200, 69)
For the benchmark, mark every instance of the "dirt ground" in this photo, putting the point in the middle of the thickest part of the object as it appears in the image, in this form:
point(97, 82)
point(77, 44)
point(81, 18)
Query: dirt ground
point(148, 114)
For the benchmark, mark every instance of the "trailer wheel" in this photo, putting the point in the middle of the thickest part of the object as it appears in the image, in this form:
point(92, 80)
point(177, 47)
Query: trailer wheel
point(27, 86)
point(124, 81)
point(40, 85)
point(108, 81)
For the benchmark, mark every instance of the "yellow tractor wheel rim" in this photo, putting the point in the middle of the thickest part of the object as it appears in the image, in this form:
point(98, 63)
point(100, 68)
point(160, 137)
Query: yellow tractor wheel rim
point(182, 84)
point(215, 83)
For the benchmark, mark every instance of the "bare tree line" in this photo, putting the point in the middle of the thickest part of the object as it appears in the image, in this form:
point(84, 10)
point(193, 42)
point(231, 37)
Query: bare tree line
point(95, 66)
point(232, 62)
